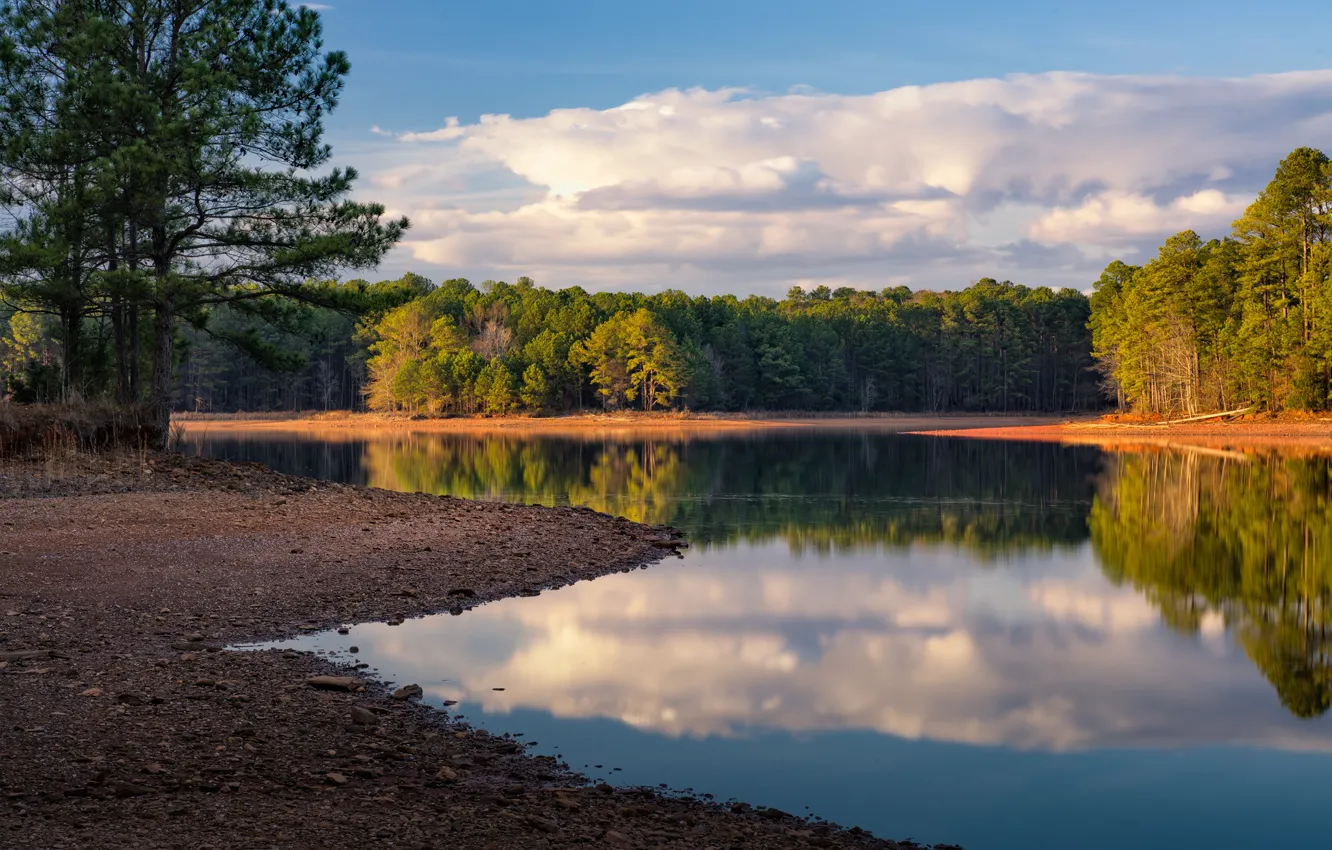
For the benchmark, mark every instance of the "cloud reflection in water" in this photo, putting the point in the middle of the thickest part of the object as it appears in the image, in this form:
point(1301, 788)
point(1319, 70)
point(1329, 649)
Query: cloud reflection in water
point(1037, 652)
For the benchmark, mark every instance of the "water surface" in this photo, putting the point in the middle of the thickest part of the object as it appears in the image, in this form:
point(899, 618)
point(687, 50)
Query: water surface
point(997, 644)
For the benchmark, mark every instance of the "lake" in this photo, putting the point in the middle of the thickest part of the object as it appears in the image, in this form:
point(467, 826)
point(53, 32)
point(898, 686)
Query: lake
point(1009, 646)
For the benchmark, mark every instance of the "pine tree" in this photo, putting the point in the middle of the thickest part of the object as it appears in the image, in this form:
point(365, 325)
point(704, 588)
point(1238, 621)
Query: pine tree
point(201, 173)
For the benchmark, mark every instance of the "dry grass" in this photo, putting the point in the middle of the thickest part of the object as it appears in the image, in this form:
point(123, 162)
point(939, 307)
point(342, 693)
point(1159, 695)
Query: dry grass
point(54, 430)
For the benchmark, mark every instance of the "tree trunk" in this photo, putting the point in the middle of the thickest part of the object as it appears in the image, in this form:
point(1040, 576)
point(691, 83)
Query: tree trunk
point(72, 365)
point(133, 316)
point(118, 333)
point(164, 355)
point(133, 332)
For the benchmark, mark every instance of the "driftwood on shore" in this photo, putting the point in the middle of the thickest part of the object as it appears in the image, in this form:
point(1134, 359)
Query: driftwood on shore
point(1225, 414)
point(1222, 415)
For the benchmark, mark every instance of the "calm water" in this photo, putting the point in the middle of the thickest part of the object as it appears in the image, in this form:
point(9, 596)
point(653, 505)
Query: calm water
point(1001, 645)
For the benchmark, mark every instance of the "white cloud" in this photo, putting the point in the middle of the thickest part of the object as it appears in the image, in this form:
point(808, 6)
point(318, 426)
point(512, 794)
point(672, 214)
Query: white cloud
point(1125, 217)
point(727, 190)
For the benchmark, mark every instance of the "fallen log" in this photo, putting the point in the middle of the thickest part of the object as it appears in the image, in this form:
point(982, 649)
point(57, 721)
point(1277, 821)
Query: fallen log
point(1238, 412)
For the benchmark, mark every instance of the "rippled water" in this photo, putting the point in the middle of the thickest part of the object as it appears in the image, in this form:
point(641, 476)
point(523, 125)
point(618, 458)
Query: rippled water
point(1001, 645)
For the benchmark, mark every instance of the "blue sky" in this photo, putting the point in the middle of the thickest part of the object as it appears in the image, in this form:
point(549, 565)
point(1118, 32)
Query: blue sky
point(417, 64)
point(417, 61)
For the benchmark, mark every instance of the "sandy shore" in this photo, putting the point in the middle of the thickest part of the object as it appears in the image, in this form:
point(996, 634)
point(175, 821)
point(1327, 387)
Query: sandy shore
point(1304, 436)
point(356, 426)
point(125, 723)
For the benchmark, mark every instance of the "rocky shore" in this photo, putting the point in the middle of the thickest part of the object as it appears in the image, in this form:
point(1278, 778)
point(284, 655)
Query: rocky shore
point(124, 722)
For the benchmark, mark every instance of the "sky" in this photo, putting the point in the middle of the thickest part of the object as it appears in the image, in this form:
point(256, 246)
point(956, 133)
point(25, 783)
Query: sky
point(747, 147)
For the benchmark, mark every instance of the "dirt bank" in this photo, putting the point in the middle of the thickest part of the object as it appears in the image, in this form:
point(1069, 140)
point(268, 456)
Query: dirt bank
point(124, 723)
point(356, 426)
point(1303, 436)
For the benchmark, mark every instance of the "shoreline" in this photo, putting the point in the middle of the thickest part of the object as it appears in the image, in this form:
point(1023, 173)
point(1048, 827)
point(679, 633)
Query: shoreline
point(356, 425)
point(126, 722)
point(1301, 436)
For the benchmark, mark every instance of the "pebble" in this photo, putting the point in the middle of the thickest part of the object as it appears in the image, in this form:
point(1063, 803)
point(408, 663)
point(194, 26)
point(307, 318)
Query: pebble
point(92, 692)
point(364, 716)
point(542, 824)
point(334, 683)
point(336, 778)
point(408, 692)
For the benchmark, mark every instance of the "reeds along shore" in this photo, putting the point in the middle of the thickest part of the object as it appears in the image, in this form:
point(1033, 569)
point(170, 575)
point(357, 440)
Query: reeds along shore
point(39, 430)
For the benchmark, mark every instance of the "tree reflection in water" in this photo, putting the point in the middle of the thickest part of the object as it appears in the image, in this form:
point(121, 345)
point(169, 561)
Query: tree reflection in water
point(1245, 540)
point(819, 493)
point(1247, 537)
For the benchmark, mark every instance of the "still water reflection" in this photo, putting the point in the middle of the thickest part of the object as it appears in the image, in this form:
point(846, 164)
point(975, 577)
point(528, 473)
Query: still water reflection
point(1003, 645)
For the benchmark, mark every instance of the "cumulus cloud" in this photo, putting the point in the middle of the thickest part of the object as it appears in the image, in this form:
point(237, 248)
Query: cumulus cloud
point(1038, 178)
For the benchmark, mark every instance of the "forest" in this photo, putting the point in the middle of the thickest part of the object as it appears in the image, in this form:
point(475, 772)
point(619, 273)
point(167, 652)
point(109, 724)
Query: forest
point(509, 347)
point(1232, 322)
point(503, 348)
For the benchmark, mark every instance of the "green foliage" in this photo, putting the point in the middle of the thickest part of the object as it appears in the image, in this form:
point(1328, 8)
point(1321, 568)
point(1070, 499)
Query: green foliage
point(993, 346)
point(494, 388)
point(164, 158)
point(26, 357)
point(1247, 319)
point(535, 392)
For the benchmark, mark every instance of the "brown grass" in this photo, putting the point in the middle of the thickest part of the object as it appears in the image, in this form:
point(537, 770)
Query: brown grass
point(46, 430)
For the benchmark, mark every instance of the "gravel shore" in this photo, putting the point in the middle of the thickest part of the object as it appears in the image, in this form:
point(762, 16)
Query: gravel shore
point(125, 723)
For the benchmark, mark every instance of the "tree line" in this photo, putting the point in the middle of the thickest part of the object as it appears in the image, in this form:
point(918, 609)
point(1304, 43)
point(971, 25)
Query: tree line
point(503, 347)
point(1224, 323)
